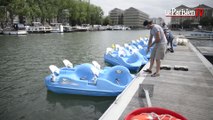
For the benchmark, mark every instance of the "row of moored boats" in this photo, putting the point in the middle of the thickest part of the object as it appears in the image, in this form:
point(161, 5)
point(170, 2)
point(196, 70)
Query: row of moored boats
point(37, 27)
point(133, 55)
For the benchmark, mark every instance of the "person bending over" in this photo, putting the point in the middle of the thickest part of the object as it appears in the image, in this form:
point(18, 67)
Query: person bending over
point(159, 44)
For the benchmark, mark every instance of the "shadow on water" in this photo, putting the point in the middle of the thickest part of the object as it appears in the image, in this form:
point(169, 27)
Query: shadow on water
point(209, 58)
point(89, 106)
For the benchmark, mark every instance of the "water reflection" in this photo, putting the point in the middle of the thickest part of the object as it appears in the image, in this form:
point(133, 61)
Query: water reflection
point(90, 107)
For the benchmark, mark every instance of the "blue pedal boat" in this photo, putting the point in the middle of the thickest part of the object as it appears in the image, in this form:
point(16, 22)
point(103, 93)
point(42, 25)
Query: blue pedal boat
point(138, 47)
point(88, 79)
point(121, 56)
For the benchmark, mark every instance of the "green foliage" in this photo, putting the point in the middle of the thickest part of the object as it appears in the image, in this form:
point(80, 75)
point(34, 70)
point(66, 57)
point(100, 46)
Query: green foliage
point(107, 21)
point(211, 21)
point(187, 23)
point(96, 14)
point(206, 21)
point(75, 11)
point(2, 16)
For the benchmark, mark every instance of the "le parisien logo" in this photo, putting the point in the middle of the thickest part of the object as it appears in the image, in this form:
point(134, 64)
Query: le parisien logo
point(197, 12)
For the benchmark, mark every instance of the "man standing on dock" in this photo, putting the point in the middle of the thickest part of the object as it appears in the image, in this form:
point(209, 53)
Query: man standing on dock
point(169, 37)
point(159, 43)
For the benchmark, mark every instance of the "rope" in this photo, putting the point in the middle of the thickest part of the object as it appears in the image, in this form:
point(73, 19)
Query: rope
point(155, 116)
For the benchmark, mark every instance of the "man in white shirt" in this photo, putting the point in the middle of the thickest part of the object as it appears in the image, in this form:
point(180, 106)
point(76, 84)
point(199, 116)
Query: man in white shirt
point(159, 43)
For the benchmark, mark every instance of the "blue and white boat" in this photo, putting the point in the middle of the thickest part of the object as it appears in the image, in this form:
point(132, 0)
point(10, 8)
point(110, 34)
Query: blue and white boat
point(120, 56)
point(88, 79)
point(138, 48)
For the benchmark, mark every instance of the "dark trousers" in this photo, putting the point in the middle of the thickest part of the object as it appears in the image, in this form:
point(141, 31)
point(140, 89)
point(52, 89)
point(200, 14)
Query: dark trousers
point(170, 41)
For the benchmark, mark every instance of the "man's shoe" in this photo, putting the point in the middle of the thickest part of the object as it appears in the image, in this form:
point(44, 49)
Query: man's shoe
point(148, 71)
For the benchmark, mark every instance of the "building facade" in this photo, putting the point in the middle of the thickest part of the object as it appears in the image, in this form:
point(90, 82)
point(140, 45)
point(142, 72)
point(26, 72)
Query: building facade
point(208, 11)
point(116, 16)
point(134, 18)
point(158, 21)
point(179, 22)
point(131, 17)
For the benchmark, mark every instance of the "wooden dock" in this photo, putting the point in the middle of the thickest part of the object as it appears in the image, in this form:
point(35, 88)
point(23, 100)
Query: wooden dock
point(189, 93)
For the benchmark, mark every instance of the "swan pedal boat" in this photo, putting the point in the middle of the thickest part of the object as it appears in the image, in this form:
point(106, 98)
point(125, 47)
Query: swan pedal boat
point(140, 46)
point(88, 79)
point(133, 60)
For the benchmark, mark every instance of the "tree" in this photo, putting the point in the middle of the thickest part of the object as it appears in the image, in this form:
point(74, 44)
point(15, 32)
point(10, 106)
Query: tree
point(3, 11)
point(82, 12)
point(34, 12)
point(205, 21)
point(211, 21)
point(3, 16)
point(49, 10)
point(107, 21)
point(96, 14)
point(187, 23)
point(74, 12)
point(77, 11)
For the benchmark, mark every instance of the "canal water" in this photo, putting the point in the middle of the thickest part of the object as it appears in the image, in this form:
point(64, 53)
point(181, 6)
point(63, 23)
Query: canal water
point(24, 62)
point(198, 43)
point(204, 43)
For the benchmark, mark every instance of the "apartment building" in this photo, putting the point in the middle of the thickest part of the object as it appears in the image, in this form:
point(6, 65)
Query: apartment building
point(130, 17)
point(134, 18)
point(116, 16)
point(158, 21)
